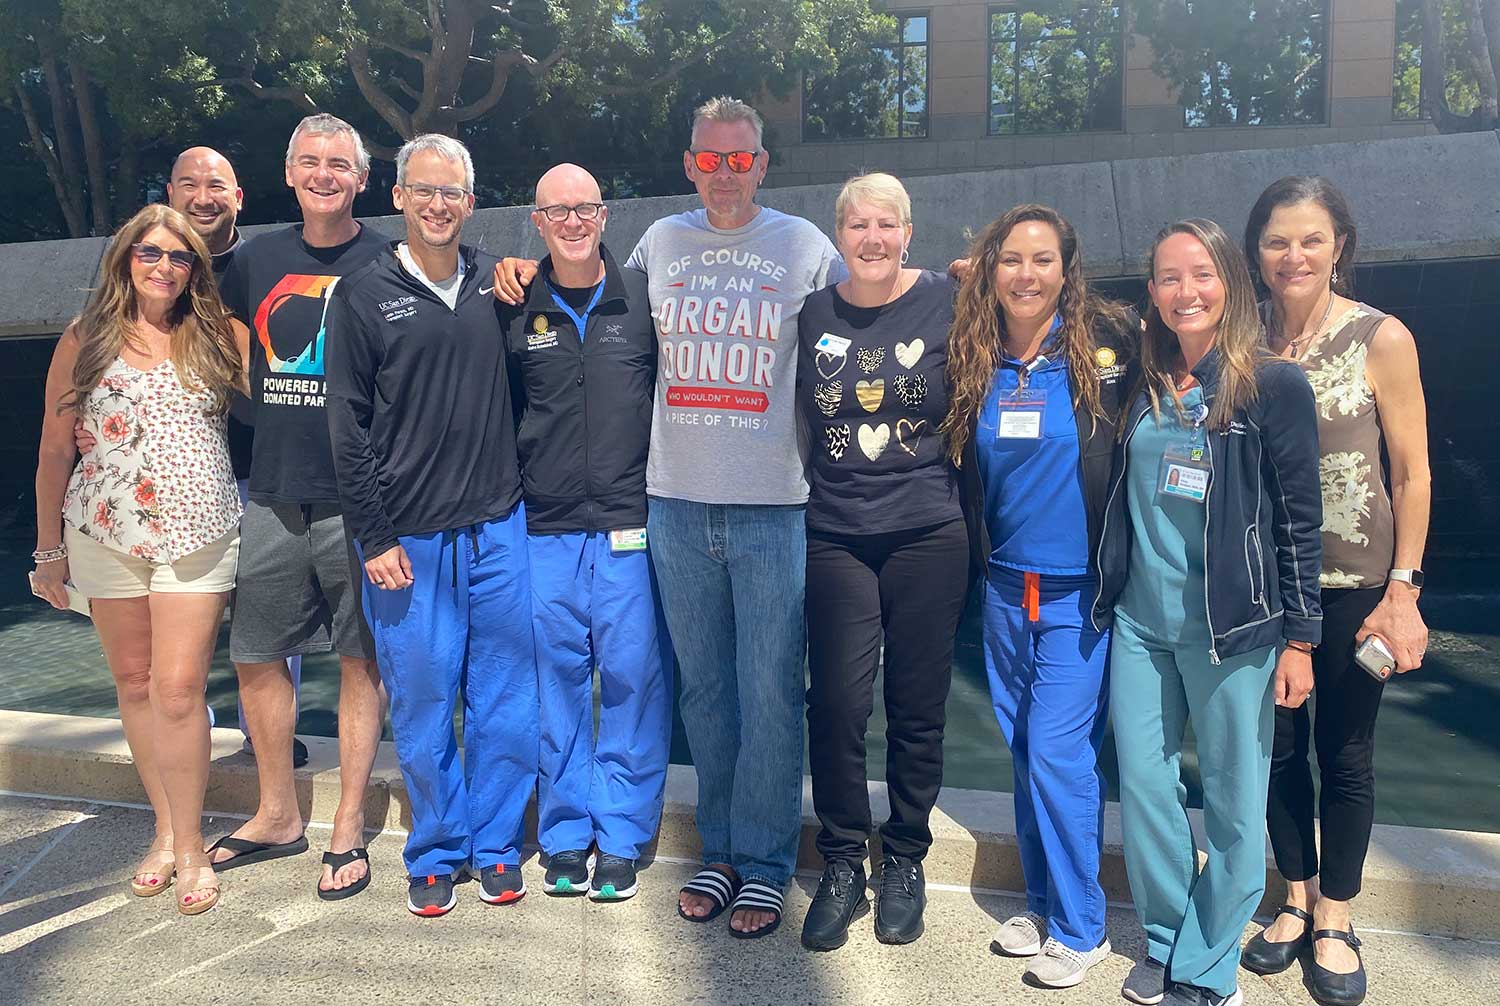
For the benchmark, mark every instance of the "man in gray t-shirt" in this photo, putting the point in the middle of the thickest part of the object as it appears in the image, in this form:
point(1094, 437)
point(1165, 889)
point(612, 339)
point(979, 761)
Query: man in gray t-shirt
point(727, 499)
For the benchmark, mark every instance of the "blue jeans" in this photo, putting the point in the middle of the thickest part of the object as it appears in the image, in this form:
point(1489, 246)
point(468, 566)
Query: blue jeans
point(732, 581)
point(462, 627)
point(1049, 686)
point(597, 609)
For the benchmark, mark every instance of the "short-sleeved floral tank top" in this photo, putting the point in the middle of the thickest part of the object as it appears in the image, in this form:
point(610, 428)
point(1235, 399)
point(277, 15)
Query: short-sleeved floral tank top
point(157, 484)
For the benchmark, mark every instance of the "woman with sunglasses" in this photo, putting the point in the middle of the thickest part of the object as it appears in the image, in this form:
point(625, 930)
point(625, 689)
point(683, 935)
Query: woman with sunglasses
point(146, 523)
point(1209, 556)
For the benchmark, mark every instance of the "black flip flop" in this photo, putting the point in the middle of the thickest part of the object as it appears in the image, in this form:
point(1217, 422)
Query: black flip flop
point(715, 885)
point(339, 860)
point(247, 853)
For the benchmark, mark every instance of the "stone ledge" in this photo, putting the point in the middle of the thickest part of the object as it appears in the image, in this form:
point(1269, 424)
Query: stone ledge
point(1437, 882)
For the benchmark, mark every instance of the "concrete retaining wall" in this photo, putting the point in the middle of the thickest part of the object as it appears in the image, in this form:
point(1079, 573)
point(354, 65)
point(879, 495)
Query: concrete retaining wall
point(1427, 197)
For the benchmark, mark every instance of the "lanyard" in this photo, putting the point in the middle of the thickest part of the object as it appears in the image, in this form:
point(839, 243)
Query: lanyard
point(1025, 370)
point(580, 320)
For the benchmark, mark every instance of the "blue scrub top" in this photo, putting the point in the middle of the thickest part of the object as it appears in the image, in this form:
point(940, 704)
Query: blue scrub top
point(1033, 488)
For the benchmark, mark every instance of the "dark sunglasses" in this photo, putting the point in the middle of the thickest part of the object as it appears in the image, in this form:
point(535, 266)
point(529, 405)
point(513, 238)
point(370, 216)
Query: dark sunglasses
point(149, 254)
point(708, 161)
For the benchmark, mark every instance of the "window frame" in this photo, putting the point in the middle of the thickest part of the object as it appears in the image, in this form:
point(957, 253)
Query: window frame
point(1021, 7)
point(1325, 112)
point(898, 46)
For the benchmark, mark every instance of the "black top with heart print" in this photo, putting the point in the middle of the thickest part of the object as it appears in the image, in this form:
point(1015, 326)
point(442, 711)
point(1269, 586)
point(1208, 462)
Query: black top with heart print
point(871, 395)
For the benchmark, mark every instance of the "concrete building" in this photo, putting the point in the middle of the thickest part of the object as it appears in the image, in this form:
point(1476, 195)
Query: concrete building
point(963, 46)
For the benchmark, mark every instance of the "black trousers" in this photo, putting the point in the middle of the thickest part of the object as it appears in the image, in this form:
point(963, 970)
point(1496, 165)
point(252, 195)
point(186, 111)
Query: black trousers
point(1342, 728)
point(905, 588)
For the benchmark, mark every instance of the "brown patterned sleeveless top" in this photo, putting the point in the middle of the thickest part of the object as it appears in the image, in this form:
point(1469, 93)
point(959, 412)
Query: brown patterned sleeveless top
point(1358, 528)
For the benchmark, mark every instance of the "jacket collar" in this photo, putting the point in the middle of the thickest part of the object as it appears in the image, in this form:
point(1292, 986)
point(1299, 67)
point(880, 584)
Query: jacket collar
point(1207, 371)
point(466, 255)
point(539, 294)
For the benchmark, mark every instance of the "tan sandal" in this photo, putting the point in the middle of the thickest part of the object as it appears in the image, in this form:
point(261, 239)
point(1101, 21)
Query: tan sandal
point(158, 864)
point(190, 869)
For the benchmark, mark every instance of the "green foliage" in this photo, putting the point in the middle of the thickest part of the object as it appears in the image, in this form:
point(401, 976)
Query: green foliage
point(1460, 84)
point(1056, 66)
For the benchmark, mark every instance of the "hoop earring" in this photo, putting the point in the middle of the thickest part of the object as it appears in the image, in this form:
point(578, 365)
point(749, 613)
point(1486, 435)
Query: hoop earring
point(905, 254)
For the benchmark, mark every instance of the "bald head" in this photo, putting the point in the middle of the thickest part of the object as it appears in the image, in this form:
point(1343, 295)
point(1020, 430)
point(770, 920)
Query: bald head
point(573, 241)
point(204, 188)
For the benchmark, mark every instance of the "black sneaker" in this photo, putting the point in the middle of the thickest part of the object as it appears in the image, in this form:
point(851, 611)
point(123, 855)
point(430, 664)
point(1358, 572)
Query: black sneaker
point(840, 900)
point(902, 897)
point(430, 896)
point(1147, 983)
point(614, 878)
point(501, 884)
point(567, 873)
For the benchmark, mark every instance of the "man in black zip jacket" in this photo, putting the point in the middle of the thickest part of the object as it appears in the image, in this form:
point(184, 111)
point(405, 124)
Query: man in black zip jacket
point(423, 438)
point(582, 349)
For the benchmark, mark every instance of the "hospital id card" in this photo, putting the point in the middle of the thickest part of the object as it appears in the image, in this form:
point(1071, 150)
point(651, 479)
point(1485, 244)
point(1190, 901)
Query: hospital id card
point(625, 540)
point(1020, 416)
point(1184, 473)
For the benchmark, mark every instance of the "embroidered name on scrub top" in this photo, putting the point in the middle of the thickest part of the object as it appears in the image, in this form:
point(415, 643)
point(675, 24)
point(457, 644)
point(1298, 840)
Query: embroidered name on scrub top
point(1185, 471)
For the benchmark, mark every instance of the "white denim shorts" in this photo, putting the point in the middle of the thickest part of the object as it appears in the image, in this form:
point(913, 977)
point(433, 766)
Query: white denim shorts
point(100, 571)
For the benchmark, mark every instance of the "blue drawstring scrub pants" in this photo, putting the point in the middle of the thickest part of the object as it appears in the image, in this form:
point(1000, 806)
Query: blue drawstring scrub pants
point(595, 608)
point(464, 625)
point(1193, 919)
point(1049, 684)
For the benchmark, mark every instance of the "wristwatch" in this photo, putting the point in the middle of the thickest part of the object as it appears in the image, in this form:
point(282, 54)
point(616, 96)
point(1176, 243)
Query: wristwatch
point(1411, 576)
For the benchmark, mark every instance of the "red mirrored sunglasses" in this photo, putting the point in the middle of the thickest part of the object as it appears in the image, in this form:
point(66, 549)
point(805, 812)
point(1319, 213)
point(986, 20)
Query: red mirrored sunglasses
point(708, 161)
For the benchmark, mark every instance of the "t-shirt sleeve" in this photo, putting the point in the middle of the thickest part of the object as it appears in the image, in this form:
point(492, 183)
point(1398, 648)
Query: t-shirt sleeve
point(234, 287)
point(831, 268)
point(641, 254)
point(352, 361)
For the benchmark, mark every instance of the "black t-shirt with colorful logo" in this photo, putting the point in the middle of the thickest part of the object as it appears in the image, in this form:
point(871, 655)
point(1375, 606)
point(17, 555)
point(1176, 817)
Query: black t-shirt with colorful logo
point(279, 286)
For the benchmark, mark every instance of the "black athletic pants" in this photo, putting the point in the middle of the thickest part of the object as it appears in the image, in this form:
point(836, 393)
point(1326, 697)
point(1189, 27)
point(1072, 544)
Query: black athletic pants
point(905, 588)
point(1343, 731)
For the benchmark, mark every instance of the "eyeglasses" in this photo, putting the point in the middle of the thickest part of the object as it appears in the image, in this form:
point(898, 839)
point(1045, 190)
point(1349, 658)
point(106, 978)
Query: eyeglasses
point(149, 254)
point(557, 212)
point(424, 193)
point(708, 161)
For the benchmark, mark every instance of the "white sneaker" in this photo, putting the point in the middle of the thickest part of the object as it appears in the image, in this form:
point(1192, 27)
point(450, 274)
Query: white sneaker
point(1059, 967)
point(1020, 935)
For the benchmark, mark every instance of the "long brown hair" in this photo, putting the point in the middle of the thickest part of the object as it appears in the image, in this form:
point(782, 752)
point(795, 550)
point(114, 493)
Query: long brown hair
point(1239, 338)
point(978, 334)
point(203, 347)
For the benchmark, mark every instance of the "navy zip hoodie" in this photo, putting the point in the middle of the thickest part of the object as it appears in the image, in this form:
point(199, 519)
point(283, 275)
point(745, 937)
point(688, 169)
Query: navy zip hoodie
point(585, 424)
point(419, 406)
point(1263, 540)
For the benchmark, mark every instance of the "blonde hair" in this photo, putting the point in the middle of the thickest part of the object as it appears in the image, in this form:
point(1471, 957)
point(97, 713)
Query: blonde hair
point(1239, 338)
point(874, 189)
point(203, 348)
point(727, 109)
point(978, 334)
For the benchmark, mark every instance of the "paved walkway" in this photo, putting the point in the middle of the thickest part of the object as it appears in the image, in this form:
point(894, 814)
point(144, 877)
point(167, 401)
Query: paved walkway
point(71, 932)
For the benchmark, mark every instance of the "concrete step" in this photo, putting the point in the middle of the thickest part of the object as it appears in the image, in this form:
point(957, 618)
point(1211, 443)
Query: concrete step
point(1418, 880)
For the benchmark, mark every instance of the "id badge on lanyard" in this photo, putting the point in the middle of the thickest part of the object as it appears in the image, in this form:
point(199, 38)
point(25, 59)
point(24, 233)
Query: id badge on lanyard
point(1185, 471)
point(1021, 412)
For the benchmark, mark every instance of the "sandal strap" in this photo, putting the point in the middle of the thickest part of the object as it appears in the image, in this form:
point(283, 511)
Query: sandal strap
point(1339, 934)
point(758, 896)
point(1295, 912)
point(712, 884)
point(339, 860)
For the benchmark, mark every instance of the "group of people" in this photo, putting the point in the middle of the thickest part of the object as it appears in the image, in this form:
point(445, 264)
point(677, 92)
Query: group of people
point(775, 464)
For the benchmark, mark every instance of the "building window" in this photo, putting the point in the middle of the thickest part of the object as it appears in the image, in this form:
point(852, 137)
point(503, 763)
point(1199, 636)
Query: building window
point(1055, 66)
point(1250, 62)
point(1460, 86)
point(880, 96)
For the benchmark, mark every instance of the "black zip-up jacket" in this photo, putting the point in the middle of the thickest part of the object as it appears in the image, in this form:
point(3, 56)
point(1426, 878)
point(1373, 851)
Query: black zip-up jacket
point(1262, 538)
point(419, 406)
point(1114, 356)
point(585, 405)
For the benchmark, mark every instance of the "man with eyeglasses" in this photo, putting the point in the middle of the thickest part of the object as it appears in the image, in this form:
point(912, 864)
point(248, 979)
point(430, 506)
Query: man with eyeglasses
point(583, 348)
point(297, 591)
point(424, 445)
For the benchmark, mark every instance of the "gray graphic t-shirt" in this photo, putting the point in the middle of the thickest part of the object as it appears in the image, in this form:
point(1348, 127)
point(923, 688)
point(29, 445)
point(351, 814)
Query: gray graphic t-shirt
point(723, 428)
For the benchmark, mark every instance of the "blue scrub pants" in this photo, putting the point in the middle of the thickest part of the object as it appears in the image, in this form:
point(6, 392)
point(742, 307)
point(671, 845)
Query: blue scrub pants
point(464, 625)
point(1049, 684)
point(597, 609)
point(1193, 919)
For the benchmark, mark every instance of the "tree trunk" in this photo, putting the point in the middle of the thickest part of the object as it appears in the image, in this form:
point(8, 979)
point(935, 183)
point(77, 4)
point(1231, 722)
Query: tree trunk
point(62, 123)
point(72, 214)
point(1484, 67)
point(128, 179)
point(93, 150)
point(1434, 96)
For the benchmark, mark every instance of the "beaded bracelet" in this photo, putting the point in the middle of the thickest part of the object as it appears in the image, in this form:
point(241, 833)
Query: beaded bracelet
point(57, 554)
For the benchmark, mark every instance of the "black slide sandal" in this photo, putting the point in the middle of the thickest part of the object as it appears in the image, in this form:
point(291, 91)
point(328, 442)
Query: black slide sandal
point(339, 860)
point(247, 853)
point(716, 885)
point(757, 896)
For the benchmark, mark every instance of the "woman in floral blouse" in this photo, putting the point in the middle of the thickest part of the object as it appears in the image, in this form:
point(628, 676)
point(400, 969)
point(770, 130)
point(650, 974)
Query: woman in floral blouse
point(1362, 366)
point(146, 523)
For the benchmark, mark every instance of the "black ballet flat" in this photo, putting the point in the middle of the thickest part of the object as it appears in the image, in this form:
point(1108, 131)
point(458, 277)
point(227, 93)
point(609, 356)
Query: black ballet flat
point(1266, 958)
point(1331, 989)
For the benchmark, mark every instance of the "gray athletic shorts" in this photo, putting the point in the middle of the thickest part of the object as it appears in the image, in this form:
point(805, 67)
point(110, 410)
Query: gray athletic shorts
point(299, 585)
